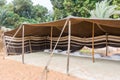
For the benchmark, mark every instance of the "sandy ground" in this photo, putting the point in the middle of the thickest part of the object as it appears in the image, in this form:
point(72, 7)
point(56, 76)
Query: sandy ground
point(13, 70)
point(80, 67)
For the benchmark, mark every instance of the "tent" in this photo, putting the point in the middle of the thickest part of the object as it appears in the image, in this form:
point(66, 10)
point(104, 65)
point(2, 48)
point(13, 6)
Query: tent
point(81, 32)
point(71, 33)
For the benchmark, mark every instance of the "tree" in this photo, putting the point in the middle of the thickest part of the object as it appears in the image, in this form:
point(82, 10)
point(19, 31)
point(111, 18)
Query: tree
point(23, 8)
point(103, 10)
point(116, 2)
point(64, 8)
point(20, 11)
point(58, 9)
point(12, 19)
point(39, 13)
point(26, 9)
point(2, 12)
point(2, 3)
point(3, 17)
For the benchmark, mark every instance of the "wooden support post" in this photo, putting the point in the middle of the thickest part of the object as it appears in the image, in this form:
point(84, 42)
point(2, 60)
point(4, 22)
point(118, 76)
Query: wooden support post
point(49, 60)
point(106, 44)
point(51, 39)
point(6, 45)
point(23, 44)
point(93, 42)
point(68, 52)
point(4, 48)
point(46, 73)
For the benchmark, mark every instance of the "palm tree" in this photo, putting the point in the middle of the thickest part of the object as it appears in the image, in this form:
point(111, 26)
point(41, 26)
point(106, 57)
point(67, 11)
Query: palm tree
point(103, 10)
point(2, 16)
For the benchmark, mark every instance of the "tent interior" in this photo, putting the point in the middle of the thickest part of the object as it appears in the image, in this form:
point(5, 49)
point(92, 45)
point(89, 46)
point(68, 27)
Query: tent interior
point(93, 33)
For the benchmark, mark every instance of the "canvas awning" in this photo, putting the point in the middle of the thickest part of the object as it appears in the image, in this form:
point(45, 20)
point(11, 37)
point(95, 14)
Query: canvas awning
point(80, 27)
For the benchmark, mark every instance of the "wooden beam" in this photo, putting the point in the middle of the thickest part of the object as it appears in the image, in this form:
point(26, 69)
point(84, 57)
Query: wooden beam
point(23, 44)
point(12, 38)
point(68, 52)
point(49, 60)
point(101, 28)
point(4, 47)
point(93, 32)
point(51, 39)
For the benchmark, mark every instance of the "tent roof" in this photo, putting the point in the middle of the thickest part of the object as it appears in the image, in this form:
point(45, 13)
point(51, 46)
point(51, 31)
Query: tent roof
point(81, 27)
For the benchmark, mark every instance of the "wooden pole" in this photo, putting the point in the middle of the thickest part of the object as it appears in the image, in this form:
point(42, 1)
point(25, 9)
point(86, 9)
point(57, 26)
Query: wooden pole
point(46, 67)
point(51, 39)
point(6, 47)
point(23, 44)
point(56, 44)
point(106, 44)
point(69, 38)
point(93, 42)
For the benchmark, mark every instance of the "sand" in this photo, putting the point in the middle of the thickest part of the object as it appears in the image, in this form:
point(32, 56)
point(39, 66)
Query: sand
point(13, 70)
point(80, 67)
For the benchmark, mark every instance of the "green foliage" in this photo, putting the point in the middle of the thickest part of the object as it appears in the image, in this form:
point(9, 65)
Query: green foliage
point(20, 11)
point(23, 8)
point(3, 13)
point(2, 2)
point(116, 2)
point(39, 13)
point(64, 8)
point(11, 19)
point(103, 10)
point(87, 51)
point(58, 9)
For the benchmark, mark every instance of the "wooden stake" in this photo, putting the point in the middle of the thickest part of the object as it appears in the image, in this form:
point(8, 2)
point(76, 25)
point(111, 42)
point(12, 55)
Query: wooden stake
point(106, 44)
point(69, 38)
point(23, 44)
point(46, 73)
point(93, 42)
point(51, 39)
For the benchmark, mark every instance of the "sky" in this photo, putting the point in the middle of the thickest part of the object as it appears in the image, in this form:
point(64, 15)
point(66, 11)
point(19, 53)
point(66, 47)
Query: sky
point(45, 3)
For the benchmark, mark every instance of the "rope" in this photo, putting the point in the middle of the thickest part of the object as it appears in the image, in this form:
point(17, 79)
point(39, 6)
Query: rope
point(56, 44)
point(13, 36)
point(51, 55)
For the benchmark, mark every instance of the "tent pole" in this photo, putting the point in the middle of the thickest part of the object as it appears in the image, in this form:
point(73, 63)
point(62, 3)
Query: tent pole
point(51, 39)
point(93, 42)
point(6, 46)
point(23, 44)
point(68, 54)
point(46, 67)
point(106, 44)
point(56, 44)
